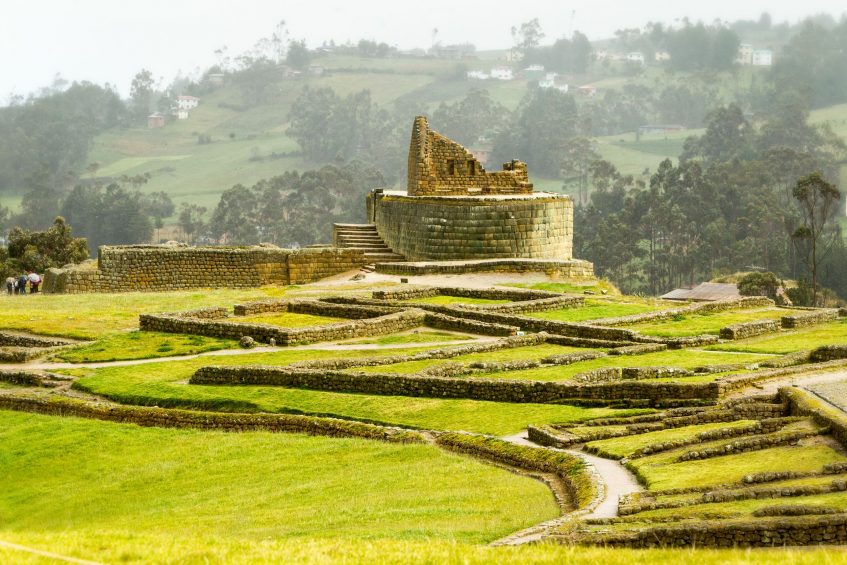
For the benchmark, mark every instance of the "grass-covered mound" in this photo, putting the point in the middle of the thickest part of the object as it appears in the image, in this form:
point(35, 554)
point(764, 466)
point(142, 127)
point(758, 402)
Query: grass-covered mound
point(66, 474)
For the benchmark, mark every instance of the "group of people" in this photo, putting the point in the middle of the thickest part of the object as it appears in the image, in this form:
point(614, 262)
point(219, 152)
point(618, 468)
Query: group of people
point(18, 285)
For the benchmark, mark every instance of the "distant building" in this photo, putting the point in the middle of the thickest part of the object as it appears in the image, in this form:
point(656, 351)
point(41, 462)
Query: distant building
point(762, 58)
point(704, 292)
point(660, 128)
point(187, 102)
point(155, 120)
point(456, 51)
point(635, 57)
point(181, 114)
point(551, 80)
point(478, 75)
point(660, 56)
point(502, 73)
point(745, 54)
point(587, 90)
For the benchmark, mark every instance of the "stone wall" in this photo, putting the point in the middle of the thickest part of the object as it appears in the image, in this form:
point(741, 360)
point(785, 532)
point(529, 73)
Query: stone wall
point(231, 328)
point(458, 228)
point(174, 267)
point(765, 532)
point(440, 166)
point(810, 318)
point(517, 391)
point(176, 418)
point(749, 329)
point(569, 269)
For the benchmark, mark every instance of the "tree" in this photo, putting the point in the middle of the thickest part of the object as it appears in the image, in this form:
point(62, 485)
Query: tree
point(112, 215)
point(728, 136)
point(759, 284)
point(577, 159)
point(528, 36)
point(816, 199)
point(298, 56)
point(468, 119)
point(40, 250)
point(141, 94)
point(191, 220)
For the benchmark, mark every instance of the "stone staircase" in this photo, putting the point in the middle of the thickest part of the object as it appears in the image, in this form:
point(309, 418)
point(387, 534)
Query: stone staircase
point(366, 238)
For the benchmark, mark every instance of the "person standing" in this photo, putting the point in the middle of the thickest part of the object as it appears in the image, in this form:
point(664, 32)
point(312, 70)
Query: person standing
point(10, 285)
point(21, 286)
point(34, 282)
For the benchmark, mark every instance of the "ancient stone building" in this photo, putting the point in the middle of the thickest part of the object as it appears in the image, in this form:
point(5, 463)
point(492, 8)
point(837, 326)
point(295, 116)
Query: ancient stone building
point(441, 167)
point(455, 210)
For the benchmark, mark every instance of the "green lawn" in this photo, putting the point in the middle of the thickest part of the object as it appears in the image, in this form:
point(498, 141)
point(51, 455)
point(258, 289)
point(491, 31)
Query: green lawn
point(681, 358)
point(133, 546)
point(441, 299)
point(602, 308)
point(288, 319)
point(621, 447)
point(166, 385)
point(501, 355)
point(417, 336)
point(571, 287)
point(711, 323)
point(67, 473)
point(660, 472)
point(790, 341)
point(745, 508)
point(143, 345)
point(88, 316)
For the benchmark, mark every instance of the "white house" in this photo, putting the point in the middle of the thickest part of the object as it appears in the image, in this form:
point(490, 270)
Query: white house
point(762, 58)
point(660, 56)
point(635, 57)
point(745, 54)
point(550, 81)
point(187, 102)
point(478, 75)
point(181, 114)
point(502, 73)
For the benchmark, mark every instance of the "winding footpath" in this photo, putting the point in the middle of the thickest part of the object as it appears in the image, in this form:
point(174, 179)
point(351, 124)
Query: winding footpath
point(614, 480)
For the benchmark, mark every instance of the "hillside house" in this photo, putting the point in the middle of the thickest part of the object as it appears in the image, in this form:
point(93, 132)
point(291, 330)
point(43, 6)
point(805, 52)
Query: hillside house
point(502, 73)
point(533, 72)
point(181, 114)
point(762, 58)
point(186, 102)
point(477, 75)
point(155, 120)
point(587, 90)
point(660, 129)
point(635, 57)
point(745, 54)
point(661, 56)
point(551, 80)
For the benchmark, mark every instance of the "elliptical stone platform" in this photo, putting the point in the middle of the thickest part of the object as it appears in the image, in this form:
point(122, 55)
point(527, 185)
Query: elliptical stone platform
point(453, 210)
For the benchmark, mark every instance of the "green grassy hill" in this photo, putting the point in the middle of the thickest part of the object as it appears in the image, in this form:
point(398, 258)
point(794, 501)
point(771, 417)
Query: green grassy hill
point(250, 144)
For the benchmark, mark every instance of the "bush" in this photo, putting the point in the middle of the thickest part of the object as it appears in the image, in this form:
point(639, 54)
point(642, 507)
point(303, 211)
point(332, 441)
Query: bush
point(759, 284)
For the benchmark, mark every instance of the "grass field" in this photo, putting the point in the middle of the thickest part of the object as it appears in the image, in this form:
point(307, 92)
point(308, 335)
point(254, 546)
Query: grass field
point(287, 319)
point(88, 316)
point(143, 345)
point(603, 308)
point(710, 323)
point(167, 386)
point(786, 342)
point(75, 473)
point(661, 472)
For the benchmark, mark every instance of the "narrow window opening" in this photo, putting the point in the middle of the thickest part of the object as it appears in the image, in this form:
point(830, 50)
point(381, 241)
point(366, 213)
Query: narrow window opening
point(472, 167)
point(451, 167)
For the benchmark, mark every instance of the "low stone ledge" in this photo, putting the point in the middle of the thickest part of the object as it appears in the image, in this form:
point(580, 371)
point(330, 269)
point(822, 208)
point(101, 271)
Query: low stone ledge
point(222, 421)
point(749, 329)
point(809, 318)
point(500, 390)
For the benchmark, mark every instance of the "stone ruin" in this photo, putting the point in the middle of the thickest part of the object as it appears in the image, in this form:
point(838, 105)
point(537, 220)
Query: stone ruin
point(439, 166)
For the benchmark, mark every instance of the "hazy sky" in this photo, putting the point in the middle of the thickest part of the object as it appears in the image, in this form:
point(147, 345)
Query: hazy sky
point(110, 40)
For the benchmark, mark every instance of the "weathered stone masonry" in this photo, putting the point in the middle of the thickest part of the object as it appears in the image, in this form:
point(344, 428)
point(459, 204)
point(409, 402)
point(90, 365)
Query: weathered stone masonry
point(170, 267)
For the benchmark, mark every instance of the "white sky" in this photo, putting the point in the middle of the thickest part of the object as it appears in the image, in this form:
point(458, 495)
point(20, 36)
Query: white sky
point(110, 40)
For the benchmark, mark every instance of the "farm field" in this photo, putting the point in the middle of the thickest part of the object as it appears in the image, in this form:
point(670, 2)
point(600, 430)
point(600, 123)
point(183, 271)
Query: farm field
point(357, 490)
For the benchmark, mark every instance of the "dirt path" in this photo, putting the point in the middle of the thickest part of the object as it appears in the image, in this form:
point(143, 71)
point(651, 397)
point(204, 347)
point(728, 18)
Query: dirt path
point(616, 481)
